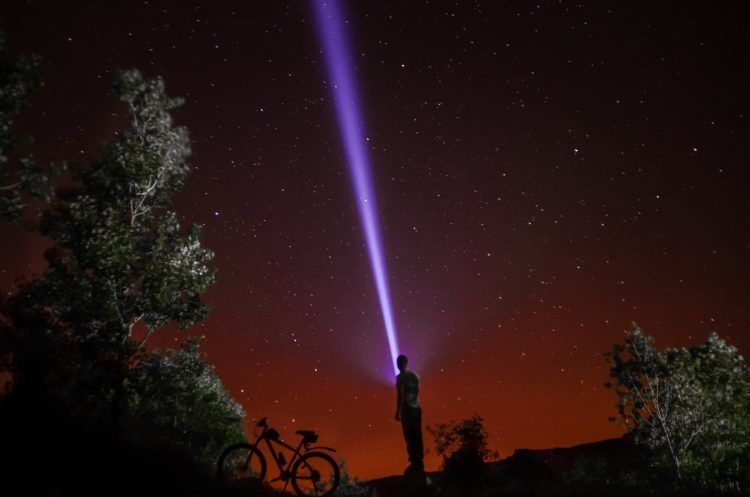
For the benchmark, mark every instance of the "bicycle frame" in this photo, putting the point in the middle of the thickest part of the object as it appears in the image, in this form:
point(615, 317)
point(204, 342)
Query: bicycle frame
point(308, 464)
point(284, 473)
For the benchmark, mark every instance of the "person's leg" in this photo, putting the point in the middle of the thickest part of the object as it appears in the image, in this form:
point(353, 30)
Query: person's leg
point(417, 446)
point(407, 435)
point(412, 424)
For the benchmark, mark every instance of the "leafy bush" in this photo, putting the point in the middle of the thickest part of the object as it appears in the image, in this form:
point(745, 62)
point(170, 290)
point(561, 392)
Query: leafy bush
point(351, 486)
point(463, 447)
point(177, 400)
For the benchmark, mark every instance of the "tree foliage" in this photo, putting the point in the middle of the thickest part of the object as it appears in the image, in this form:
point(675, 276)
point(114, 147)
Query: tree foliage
point(177, 399)
point(119, 255)
point(689, 406)
point(20, 77)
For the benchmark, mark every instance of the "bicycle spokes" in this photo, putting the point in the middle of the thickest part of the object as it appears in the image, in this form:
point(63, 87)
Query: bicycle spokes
point(315, 474)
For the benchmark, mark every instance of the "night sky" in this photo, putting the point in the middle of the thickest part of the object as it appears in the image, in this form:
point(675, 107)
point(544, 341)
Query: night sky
point(546, 173)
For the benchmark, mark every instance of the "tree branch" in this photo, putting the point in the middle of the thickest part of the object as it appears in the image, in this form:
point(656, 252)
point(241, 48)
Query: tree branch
point(12, 186)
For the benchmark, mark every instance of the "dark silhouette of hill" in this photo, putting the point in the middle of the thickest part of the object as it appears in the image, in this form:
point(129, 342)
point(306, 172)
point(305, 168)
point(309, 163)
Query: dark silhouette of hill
point(617, 452)
point(613, 467)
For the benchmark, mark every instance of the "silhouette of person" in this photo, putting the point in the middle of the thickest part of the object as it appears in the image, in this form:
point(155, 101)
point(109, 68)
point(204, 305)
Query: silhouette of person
point(409, 413)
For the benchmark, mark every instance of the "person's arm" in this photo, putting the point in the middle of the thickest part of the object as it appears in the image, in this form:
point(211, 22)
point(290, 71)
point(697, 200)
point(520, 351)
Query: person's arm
point(398, 401)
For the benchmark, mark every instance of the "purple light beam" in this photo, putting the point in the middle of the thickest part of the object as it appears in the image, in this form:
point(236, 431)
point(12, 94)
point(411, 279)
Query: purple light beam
point(335, 43)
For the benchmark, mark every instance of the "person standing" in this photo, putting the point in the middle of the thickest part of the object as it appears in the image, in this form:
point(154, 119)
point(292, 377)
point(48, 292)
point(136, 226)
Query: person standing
point(409, 413)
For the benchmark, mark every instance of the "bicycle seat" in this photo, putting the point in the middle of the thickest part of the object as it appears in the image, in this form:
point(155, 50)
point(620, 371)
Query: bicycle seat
point(308, 436)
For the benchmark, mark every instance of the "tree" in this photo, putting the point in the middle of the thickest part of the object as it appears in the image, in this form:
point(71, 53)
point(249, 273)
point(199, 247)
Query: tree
point(646, 395)
point(689, 406)
point(719, 456)
point(119, 256)
point(20, 77)
point(120, 253)
point(120, 267)
point(463, 447)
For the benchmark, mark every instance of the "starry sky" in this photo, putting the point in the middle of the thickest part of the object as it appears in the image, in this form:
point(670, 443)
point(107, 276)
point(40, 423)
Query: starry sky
point(546, 173)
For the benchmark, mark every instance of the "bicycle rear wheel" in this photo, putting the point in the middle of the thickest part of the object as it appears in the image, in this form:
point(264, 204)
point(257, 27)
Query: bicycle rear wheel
point(315, 473)
point(241, 463)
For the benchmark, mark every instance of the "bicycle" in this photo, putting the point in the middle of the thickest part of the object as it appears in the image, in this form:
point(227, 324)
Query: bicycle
point(311, 471)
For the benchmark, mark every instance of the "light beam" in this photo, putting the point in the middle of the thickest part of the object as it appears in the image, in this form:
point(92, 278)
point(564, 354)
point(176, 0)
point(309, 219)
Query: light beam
point(342, 84)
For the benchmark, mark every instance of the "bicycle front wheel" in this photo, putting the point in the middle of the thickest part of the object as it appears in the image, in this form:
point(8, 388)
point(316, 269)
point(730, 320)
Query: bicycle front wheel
point(242, 463)
point(315, 473)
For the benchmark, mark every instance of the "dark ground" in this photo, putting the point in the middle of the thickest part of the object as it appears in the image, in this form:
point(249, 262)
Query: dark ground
point(44, 454)
point(608, 468)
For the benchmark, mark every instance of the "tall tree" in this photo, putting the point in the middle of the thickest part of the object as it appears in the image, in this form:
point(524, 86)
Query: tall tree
point(689, 406)
point(119, 258)
point(120, 267)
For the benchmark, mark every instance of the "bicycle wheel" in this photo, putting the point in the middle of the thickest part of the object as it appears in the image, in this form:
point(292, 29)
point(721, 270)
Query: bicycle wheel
point(242, 463)
point(315, 473)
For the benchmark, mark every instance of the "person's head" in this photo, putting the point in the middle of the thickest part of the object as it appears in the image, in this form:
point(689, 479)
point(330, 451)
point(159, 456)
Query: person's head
point(402, 361)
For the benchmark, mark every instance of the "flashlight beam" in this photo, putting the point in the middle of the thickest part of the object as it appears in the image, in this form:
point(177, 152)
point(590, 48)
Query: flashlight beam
point(342, 85)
